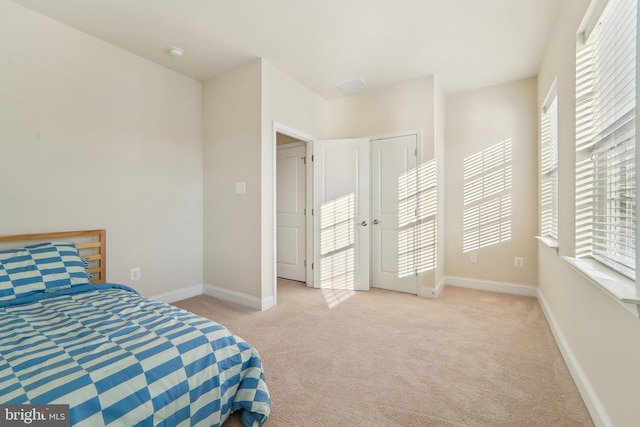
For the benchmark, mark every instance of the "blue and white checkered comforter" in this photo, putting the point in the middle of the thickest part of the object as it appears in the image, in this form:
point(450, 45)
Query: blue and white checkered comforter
point(119, 359)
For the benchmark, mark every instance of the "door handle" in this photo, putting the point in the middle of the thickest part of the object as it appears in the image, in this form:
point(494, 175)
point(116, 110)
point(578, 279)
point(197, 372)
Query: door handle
point(376, 222)
point(364, 223)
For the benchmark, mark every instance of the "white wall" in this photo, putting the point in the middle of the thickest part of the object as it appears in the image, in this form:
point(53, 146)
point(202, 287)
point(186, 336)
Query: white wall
point(240, 108)
point(599, 338)
point(474, 121)
point(394, 108)
point(289, 103)
point(232, 141)
point(92, 136)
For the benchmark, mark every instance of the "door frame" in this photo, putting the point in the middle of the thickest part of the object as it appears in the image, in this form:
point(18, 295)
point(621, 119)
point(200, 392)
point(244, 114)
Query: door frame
point(308, 141)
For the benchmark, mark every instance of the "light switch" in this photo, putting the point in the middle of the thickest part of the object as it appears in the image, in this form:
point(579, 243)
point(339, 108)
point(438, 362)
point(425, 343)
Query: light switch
point(241, 187)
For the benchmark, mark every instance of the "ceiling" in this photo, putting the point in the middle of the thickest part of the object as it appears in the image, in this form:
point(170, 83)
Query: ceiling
point(467, 44)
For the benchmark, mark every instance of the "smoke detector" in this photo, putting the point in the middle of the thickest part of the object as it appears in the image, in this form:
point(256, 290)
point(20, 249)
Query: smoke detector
point(176, 52)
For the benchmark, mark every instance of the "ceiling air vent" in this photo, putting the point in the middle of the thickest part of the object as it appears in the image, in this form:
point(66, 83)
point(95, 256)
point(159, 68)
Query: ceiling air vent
point(352, 87)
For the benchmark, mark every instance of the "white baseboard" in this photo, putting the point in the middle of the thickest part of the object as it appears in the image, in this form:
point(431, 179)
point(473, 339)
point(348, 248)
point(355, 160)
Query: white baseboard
point(221, 293)
point(180, 294)
point(591, 400)
point(238, 298)
point(440, 286)
point(431, 292)
point(486, 285)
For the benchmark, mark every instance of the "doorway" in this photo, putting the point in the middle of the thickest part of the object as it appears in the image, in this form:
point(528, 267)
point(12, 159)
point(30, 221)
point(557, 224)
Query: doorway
point(291, 195)
point(285, 258)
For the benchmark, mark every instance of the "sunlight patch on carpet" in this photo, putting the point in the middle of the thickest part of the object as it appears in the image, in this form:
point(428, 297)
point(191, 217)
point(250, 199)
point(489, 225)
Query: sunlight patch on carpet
point(335, 297)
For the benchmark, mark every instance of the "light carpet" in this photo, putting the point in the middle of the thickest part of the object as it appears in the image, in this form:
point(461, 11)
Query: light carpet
point(382, 358)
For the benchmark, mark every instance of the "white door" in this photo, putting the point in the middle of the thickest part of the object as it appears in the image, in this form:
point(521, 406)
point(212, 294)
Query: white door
point(341, 214)
point(393, 213)
point(290, 210)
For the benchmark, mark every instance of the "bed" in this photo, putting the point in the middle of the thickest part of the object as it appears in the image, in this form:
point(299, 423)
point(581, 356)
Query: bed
point(69, 337)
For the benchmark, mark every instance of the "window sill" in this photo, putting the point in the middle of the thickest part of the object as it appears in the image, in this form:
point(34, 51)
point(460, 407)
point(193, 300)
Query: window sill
point(617, 286)
point(550, 242)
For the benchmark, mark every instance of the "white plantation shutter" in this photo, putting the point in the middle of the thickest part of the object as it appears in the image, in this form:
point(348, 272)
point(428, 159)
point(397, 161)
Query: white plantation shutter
point(549, 169)
point(606, 139)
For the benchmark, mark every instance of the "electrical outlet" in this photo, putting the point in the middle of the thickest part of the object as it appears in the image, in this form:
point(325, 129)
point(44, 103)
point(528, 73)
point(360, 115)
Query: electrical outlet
point(473, 257)
point(135, 273)
point(518, 262)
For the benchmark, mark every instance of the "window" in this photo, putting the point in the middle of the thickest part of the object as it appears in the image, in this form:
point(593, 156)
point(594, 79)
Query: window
point(606, 139)
point(549, 167)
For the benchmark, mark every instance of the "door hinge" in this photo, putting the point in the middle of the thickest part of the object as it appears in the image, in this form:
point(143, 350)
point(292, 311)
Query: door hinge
point(312, 157)
point(305, 211)
point(304, 159)
point(415, 271)
point(415, 151)
point(312, 266)
point(305, 262)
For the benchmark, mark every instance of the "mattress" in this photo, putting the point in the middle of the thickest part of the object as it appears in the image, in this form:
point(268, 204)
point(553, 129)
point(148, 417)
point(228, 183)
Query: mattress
point(117, 358)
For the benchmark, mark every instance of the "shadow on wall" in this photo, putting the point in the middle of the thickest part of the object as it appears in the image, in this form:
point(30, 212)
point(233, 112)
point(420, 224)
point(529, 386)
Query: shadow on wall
point(487, 197)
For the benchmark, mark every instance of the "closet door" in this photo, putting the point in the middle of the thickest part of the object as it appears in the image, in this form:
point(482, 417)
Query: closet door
point(393, 213)
point(341, 214)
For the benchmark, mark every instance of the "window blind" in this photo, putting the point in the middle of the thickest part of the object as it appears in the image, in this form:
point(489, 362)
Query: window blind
point(606, 139)
point(549, 169)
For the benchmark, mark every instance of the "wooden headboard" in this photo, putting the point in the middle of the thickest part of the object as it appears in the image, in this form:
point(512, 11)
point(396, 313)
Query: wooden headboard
point(90, 243)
